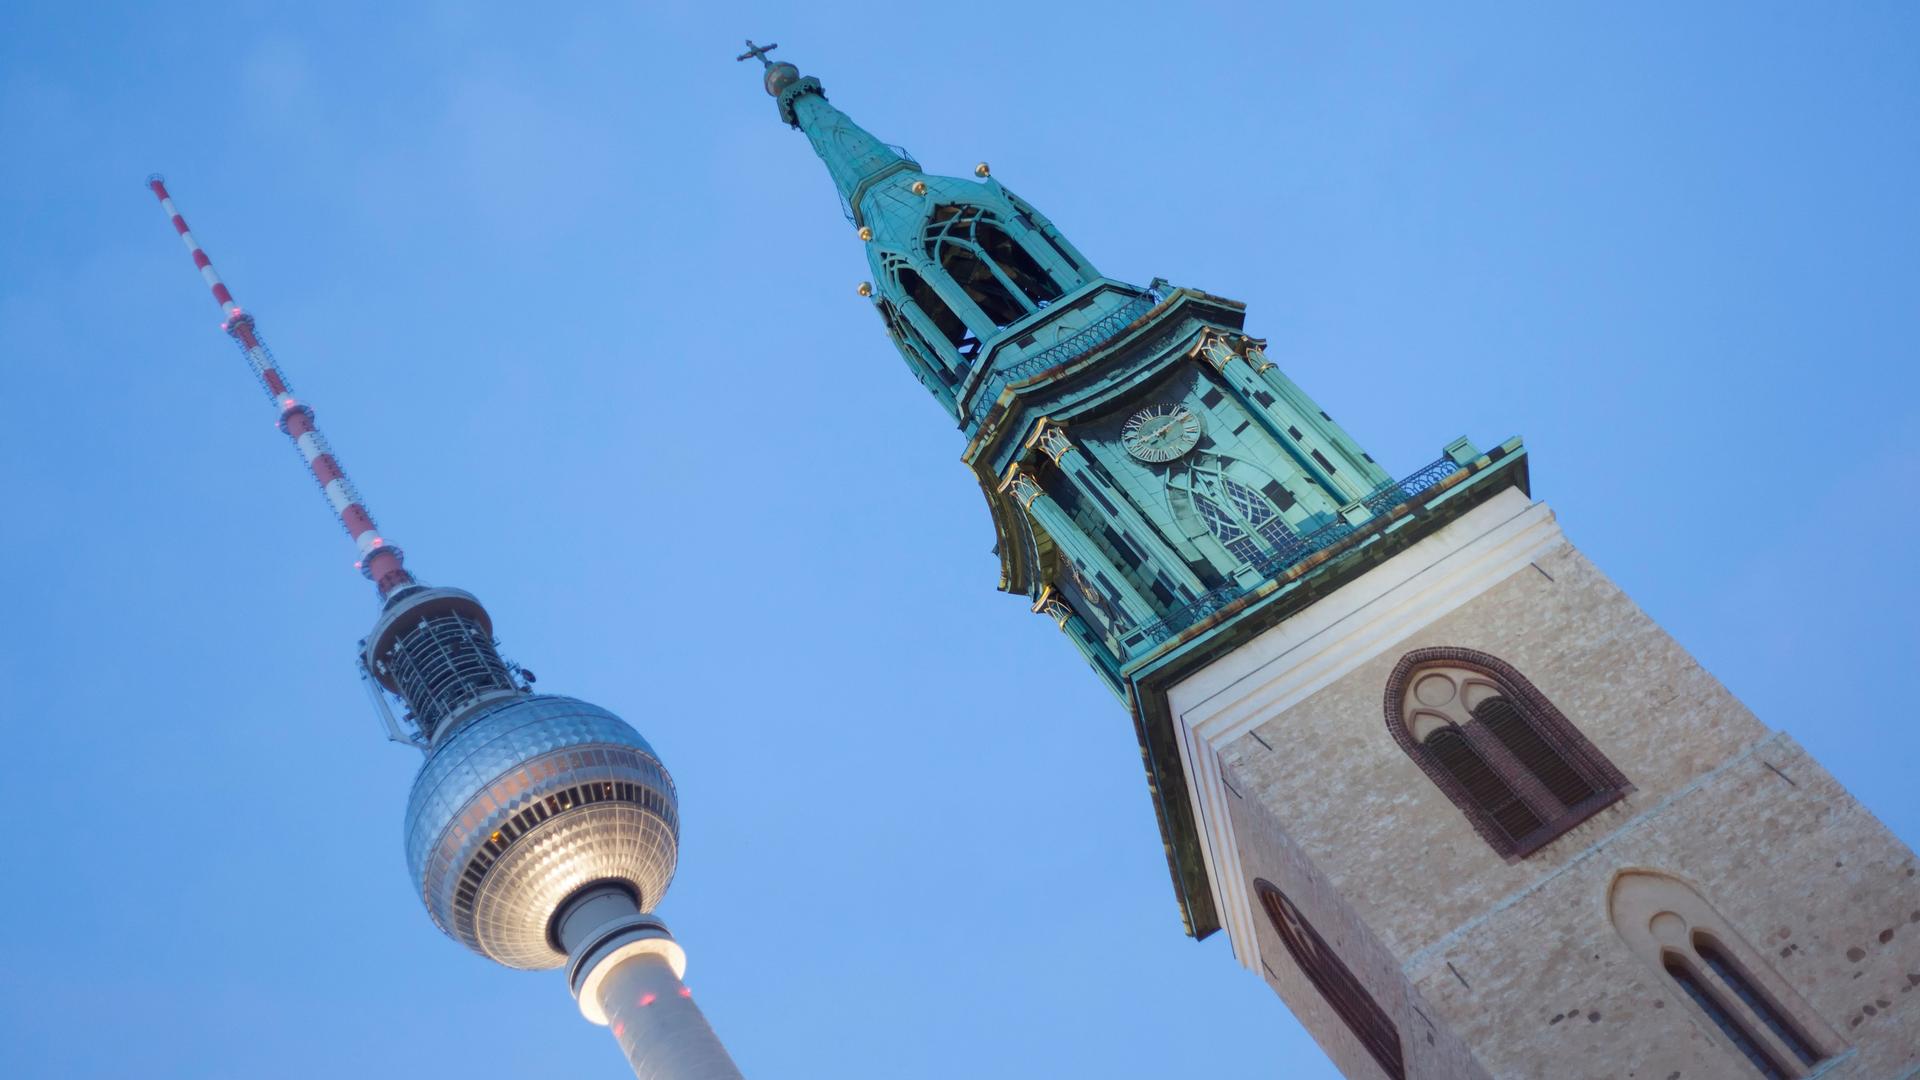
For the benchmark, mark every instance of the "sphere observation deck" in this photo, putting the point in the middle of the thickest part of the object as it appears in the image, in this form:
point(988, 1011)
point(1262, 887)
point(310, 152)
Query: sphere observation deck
point(524, 799)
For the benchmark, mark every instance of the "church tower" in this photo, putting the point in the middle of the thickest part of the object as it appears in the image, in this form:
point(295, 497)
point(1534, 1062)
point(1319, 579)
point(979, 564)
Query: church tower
point(1464, 807)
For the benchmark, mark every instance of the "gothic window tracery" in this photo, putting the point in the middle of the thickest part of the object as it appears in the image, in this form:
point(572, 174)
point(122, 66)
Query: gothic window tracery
point(1336, 982)
point(999, 275)
point(1244, 519)
point(1672, 928)
point(1488, 739)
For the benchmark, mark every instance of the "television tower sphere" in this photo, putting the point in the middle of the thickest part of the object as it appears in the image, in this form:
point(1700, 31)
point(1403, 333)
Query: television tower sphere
point(525, 800)
point(524, 804)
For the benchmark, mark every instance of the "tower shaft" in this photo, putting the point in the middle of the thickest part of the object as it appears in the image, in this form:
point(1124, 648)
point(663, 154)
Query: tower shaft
point(663, 1033)
point(625, 969)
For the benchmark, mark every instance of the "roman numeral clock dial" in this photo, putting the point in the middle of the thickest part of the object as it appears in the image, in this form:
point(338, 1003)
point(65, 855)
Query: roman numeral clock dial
point(1160, 433)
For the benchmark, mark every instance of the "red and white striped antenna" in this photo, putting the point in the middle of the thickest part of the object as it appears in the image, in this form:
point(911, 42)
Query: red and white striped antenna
point(380, 559)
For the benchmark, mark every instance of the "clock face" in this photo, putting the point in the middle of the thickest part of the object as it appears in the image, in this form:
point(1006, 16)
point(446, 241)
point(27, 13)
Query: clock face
point(1161, 432)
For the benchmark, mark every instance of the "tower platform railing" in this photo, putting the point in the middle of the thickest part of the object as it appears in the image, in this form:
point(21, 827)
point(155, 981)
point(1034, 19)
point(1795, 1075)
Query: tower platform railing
point(1096, 333)
point(1278, 560)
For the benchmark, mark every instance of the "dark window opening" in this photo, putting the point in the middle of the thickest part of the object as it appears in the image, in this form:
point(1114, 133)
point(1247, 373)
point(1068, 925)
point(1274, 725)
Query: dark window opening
point(1505, 721)
point(977, 280)
point(1717, 1012)
point(1514, 765)
point(1488, 790)
point(1294, 431)
point(970, 245)
point(1755, 999)
point(1324, 463)
point(937, 312)
point(1275, 490)
point(1020, 267)
point(1265, 399)
point(1335, 981)
point(905, 333)
point(1212, 397)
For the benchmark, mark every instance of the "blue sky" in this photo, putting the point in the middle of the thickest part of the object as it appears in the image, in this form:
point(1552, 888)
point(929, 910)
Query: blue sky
point(578, 313)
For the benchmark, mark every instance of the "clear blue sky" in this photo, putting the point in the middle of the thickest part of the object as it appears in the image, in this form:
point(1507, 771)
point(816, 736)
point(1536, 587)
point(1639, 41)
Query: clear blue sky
point(578, 312)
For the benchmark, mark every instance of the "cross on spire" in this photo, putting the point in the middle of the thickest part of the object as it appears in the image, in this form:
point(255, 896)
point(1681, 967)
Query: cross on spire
point(755, 52)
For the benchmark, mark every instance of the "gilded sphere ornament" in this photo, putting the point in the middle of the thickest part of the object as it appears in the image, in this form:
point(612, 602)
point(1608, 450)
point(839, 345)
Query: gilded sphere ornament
point(780, 76)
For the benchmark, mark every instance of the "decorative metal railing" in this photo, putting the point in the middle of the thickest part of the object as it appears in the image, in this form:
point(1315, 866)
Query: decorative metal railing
point(1096, 333)
point(1279, 559)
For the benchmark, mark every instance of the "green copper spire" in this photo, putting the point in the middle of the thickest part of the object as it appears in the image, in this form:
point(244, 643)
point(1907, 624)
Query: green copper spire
point(1159, 487)
point(854, 158)
point(974, 285)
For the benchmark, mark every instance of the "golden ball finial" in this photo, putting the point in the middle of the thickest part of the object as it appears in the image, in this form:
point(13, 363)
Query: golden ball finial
point(865, 289)
point(982, 171)
point(919, 187)
point(866, 232)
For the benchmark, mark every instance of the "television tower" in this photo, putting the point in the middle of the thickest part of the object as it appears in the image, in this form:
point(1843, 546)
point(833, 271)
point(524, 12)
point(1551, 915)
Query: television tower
point(541, 831)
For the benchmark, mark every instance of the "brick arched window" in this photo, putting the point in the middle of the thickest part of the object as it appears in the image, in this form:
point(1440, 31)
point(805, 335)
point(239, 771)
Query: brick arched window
point(1519, 770)
point(1335, 981)
point(1666, 923)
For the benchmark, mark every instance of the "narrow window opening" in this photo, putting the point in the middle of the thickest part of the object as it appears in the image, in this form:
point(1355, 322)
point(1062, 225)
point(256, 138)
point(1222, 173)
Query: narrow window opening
point(1488, 790)
point(937, 312)
point(978, 281)
point(1335, 981)
point(1755, 999)
point(905, 333)
point(1019, 266)
point(1507, 724)
point(1743, 1041)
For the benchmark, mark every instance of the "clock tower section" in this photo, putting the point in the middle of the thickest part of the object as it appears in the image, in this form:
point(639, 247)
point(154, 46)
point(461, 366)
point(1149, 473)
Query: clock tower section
point(1436, 776)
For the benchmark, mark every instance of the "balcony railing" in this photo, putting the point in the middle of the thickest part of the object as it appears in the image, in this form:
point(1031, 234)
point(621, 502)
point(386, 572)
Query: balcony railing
point(1086, 340)
point(1282, 558)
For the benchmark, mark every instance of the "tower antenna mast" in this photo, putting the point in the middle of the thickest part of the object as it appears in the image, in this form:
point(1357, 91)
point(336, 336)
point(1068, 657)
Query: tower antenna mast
point(380, 559)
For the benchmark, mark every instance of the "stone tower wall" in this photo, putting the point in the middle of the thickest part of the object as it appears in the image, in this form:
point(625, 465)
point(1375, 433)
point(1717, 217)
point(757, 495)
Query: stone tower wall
point(1514, 967)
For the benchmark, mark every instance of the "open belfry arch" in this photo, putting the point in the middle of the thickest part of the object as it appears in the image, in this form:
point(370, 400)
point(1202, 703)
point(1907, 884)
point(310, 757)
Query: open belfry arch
point(1439, 895)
